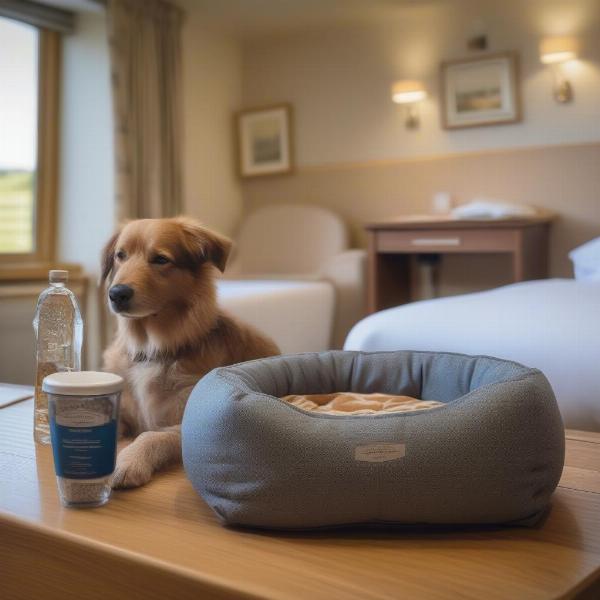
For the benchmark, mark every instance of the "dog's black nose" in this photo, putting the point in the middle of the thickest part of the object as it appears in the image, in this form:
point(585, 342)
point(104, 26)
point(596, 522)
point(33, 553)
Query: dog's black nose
point(120, 295)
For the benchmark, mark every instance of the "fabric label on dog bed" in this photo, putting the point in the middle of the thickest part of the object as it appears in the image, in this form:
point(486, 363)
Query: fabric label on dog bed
point(379, 452)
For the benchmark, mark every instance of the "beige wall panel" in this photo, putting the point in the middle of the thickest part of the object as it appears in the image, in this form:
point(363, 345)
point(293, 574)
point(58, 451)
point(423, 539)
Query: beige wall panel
point(564, 179)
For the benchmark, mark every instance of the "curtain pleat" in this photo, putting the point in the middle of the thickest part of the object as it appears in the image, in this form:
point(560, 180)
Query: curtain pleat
point(145, 51)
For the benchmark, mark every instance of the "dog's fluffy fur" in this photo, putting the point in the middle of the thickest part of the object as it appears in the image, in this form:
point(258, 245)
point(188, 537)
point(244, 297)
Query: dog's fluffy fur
point(170, 334)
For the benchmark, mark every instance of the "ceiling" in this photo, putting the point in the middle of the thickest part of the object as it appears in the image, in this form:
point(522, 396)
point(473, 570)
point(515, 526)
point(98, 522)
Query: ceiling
point(249, 18)
point(259, 17)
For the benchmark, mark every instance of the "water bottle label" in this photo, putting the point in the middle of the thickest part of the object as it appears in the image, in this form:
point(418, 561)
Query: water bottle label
point(83, 443)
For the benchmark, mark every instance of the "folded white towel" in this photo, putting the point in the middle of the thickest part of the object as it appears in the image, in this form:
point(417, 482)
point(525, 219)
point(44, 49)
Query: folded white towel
point(492, 209)
point(586, 261)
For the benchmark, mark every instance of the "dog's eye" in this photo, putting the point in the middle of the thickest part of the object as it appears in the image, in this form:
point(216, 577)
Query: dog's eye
point(160, 259)
point(121, 255)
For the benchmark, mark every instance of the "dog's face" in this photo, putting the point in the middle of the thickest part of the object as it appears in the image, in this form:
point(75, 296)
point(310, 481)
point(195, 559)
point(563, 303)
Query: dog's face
point(153, 264)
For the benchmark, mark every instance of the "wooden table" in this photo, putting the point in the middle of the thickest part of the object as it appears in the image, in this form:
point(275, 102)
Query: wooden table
point(393, 244)
point(163, 542)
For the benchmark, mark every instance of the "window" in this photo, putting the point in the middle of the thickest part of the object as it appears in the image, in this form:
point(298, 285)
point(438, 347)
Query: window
point(28, 142)
point(18, 136)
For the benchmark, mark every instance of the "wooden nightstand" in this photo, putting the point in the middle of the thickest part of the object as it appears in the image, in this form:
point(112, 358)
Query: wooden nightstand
point(393, 243)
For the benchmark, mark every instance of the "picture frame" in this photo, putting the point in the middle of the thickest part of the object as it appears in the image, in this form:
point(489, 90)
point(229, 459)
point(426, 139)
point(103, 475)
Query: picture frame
point(480, 91)
point(264, 140)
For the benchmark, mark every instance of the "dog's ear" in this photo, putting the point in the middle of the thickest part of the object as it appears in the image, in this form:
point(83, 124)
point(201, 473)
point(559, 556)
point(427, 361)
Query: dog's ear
point(205, 245)
point(108, 257)
point(219, 248)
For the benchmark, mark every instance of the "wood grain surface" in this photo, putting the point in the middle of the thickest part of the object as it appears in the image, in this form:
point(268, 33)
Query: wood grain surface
point(162, 541)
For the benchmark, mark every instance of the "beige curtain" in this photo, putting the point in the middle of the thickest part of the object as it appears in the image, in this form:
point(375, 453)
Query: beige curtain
point(145, 54)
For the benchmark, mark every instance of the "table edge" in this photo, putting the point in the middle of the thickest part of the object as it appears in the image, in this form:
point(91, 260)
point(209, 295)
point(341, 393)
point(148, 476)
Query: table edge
point(205, 582)
point(441, 224)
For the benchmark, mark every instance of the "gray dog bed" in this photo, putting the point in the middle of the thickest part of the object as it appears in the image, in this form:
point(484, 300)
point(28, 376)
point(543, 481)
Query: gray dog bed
point(492, 454)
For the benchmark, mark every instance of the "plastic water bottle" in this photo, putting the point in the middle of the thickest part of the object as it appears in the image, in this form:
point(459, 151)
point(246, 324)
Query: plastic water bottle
point(59, 332)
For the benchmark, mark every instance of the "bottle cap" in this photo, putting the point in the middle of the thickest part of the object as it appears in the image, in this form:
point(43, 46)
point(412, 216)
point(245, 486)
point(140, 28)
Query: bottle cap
point(82, 383)
point(58, 276)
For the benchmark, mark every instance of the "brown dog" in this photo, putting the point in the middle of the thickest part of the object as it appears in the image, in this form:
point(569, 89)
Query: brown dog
point(170, 333)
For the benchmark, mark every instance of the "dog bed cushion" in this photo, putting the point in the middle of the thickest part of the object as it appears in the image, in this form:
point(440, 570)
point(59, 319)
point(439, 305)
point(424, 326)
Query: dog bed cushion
point(493, 453)
point(355, 404)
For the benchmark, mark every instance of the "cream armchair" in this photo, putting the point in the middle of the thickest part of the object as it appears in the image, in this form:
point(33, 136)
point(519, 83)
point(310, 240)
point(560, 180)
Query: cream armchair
point(302, 242)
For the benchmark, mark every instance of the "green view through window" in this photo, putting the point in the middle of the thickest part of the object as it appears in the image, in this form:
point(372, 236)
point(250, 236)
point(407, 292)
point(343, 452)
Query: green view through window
point(18, 135)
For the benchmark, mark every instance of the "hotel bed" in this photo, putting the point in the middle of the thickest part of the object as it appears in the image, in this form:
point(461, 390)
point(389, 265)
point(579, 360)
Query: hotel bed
point(298, 315)
point(553, 325)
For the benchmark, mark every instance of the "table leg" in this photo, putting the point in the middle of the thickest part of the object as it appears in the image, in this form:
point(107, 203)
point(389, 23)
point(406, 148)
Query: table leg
point(389, 281)
point(530, 256)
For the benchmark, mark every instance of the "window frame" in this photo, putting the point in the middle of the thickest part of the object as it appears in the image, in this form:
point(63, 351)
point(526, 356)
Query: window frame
point(28, 265)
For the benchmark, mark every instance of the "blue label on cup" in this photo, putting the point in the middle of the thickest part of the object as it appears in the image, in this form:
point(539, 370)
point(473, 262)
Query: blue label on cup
point(84, 452)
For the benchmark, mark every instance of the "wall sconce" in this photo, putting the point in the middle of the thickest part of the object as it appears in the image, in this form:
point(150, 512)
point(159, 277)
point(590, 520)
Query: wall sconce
point(555, 51)
point(409, 92)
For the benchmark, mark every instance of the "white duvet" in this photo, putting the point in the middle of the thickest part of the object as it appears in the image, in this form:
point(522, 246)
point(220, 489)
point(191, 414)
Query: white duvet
point(298, 315)
point(553, 325)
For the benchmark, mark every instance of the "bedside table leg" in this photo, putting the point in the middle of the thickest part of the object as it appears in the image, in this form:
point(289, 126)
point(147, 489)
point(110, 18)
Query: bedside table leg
point(530, 257)
point(388, 281)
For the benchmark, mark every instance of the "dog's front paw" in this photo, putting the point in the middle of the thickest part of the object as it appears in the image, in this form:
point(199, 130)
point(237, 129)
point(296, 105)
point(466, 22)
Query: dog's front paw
point(132, 469)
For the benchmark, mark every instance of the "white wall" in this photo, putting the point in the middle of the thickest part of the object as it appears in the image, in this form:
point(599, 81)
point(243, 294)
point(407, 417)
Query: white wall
point(211, 92)
point(86, 199)
point(338, 80)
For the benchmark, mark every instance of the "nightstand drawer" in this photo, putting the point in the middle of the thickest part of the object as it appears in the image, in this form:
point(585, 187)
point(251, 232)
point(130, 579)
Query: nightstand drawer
point(449, 240)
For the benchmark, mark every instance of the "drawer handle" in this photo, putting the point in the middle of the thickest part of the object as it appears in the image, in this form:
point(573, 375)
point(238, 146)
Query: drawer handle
point(436, 242)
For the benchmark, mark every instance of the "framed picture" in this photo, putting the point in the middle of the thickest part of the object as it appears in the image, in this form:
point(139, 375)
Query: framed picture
point(480, 91)
point(264, 140)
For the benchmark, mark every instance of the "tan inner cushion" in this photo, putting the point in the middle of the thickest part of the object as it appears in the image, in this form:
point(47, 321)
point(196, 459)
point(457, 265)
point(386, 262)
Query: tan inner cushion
point(351, 403)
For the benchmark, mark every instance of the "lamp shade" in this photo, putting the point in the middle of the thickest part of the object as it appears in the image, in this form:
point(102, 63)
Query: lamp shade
point(558, 49)
point(407, 91)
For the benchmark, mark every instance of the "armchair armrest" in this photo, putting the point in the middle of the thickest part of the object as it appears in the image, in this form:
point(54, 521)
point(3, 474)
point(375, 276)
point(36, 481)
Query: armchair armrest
point(347, 267)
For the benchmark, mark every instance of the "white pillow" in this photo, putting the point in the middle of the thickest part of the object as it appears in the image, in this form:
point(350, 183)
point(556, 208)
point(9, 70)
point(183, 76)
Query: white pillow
point(586, 261)
point(480, 208)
